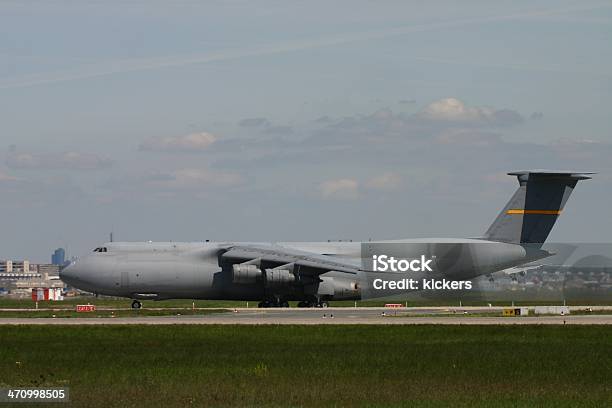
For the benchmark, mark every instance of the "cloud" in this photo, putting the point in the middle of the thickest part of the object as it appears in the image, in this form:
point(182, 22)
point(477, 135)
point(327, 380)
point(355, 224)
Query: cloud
point(254, 122)
point(191, 179)
point(57, 161)
point(339, 188)
point(323, 119)
point(194, 142)
point(433, 119)
point(40, 190)
point(454, 110)
point(279, 130)
point(5, 177)
point(402, 140)
point(382, 114)
point(265, 126)
point(385, 182)
point(350, 188)
point(468, 137)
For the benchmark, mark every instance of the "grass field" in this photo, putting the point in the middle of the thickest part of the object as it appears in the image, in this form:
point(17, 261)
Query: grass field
point(176, 366)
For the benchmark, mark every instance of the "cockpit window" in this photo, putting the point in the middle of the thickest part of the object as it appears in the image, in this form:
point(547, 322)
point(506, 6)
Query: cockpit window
point(101, 249)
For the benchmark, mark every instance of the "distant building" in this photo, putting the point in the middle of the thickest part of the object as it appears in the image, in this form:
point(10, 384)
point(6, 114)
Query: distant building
point(17, 270)
point(18, 278)
point(15, 266)
point(58, 257)
point(49, 269)
point(6, 266)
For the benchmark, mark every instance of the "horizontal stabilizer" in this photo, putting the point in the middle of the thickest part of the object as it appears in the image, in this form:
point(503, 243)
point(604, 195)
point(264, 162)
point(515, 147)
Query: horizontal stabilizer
point(552, 174)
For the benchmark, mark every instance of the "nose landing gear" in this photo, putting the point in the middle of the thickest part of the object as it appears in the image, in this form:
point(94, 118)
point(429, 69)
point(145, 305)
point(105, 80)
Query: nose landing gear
point(136, 304)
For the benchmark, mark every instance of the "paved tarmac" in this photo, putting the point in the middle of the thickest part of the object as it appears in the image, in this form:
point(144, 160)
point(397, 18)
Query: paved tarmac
point(465, 316)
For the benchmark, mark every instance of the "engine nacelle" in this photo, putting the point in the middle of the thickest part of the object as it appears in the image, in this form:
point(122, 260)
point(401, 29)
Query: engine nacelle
point(337, 287)
point(275, 277)
point(245, 273)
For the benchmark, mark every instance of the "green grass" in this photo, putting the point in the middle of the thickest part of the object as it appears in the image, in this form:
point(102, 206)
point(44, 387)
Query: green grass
point(176, 366)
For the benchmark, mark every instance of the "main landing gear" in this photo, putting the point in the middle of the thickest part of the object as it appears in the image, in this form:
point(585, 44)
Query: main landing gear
point(136, 304)
point(320, 303)
point(279, 302)
point(273, 303)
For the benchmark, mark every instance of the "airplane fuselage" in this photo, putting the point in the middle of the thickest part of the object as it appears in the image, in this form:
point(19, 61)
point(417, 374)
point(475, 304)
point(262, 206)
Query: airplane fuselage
point(173, 270)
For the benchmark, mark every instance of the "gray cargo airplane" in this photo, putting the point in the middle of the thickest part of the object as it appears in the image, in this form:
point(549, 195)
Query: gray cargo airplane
point(314, 273)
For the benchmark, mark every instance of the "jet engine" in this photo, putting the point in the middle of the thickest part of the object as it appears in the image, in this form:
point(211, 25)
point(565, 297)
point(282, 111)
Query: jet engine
point(276, 277)
point(245, 273)
point(338, 287)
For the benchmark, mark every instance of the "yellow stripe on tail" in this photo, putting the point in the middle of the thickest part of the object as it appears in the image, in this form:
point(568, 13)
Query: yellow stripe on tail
point(540, 212)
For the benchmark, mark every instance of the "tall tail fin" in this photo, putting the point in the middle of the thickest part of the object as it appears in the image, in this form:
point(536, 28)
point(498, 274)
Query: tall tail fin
point(532, 211)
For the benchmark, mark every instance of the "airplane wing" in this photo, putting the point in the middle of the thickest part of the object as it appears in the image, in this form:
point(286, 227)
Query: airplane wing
point(278, 257)
point(522, 270)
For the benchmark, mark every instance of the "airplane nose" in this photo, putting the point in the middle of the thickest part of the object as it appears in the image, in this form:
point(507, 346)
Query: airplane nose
point(69, 273)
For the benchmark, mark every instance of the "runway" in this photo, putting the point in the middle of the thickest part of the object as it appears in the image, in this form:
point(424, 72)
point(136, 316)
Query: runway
point(377, 316)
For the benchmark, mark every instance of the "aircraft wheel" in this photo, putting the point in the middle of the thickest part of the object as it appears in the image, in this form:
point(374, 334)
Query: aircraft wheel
point(136, 304)
point(324, 304)
point(284, 303)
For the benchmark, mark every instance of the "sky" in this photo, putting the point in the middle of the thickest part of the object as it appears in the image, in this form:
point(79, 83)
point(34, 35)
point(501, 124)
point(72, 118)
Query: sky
point(295, 121)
